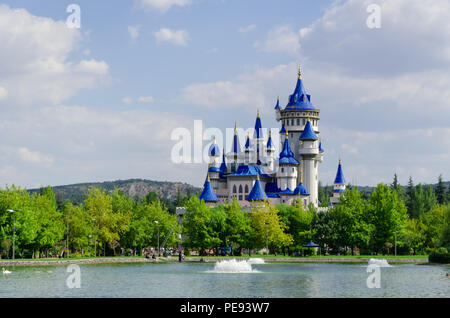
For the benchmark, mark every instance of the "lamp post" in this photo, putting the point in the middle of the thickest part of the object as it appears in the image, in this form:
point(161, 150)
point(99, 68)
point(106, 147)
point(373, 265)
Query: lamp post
point(159, 252)
point(95, 237)
point(67, 233)
point(267, 234)
point(14, 231)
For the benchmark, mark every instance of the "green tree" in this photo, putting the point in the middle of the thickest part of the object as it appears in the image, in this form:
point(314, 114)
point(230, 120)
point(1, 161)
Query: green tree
point(196, 226)
point(110, 224)
point(326, 230)
point(410, 194)
point(440, 191)
point(354, 231)
point(298, 222)
point(387, 214)
point(429, 199)
point(238, 231)
point(434, 222)
point(413, 235)
point(268, 228)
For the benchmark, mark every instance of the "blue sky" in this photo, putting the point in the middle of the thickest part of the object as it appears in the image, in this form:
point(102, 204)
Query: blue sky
point(100, 103)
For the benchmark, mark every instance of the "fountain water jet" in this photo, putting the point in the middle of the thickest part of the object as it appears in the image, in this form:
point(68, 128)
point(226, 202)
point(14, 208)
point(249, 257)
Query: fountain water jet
point(233, 266)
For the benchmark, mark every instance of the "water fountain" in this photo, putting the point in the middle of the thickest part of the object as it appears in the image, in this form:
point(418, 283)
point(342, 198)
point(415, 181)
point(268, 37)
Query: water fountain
point(234, 266)
point(380, 262)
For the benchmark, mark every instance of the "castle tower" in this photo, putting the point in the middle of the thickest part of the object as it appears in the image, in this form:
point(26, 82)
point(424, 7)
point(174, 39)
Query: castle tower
point(339, 185)
point(309, 152)
point(270, 151)
point(208, 194)
point(213, 166)
point(287, 168)
point(258, 138)
point(248, 146)
point(295, 117)
point(234, 155)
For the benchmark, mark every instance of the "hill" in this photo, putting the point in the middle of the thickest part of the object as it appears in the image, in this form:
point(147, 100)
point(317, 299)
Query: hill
point(135, 188)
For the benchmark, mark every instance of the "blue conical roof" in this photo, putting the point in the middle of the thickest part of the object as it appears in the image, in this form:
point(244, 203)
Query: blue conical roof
point(247, 143)
point(308, 133)
point(320, 146)
point(277, 106)
point(236, 146)
point(287, 155)
point(339, 175)
point(208, 194)
point(223, 166)
point(258, 128)
point(257, 193)
point(299, 99)
point(269, 142)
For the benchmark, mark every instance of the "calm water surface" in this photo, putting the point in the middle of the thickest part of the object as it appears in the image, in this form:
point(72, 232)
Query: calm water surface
point(198, 280)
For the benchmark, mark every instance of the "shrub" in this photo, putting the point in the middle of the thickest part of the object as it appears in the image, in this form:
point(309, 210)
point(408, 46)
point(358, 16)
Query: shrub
point(439, 255)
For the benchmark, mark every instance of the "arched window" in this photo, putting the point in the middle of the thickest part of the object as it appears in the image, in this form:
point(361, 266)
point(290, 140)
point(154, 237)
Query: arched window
point(246, 188)
point(298, 121)
point(234, 189)
point(240, 188)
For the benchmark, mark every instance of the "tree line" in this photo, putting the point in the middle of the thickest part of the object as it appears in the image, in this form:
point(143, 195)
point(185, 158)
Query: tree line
point(410, 221)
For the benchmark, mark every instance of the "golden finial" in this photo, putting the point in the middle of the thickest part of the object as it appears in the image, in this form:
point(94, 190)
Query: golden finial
point(287, 134)
point(214, 141)
point(340, 161)
point(299, 72)
point(258, 113)
point(207, 179)
point(257, 176)
point(235, 125)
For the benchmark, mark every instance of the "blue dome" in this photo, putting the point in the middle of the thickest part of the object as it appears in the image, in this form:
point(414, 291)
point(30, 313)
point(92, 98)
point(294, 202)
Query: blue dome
point(213, 169)
point(214, 150)
point(301, 190)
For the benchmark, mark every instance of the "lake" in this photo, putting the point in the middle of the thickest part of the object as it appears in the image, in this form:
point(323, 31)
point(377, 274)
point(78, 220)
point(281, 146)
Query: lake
point(180, 280)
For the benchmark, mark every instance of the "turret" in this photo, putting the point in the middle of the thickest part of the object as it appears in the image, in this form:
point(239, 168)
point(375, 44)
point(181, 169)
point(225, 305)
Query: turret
point(309, 150)
point(270, 151)
point(235, 154)
point(258, 138)
point(247, 150)
point(257, 193)
point(208, 195)
point(277, 109)
point(339, 185)
point(287, 167)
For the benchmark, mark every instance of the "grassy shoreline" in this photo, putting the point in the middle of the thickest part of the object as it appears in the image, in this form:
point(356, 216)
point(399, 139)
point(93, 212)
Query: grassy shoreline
point(418, 259)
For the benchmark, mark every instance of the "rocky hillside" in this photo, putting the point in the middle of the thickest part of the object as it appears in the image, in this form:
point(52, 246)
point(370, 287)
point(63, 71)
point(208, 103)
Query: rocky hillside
point(136, 188)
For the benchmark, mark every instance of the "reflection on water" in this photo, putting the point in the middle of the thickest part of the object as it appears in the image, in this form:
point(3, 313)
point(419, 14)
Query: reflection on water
point(196, 280)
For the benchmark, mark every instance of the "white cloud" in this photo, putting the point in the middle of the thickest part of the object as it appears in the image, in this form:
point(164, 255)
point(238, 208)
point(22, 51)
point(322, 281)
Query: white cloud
point(163, 5)
point(146, 99)
point(134, 31)
point(247, 28)
point(176, 37)
point(127, 100)
point(3, 93)
point(30, 156)
point(414, 36)
point(35, 64)
point(282, 39)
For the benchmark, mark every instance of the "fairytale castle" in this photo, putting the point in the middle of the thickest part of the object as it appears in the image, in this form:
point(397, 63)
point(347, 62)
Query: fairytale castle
point(256, 174)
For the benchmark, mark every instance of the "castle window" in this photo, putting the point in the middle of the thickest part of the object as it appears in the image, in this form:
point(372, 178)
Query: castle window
point(246, 188)
point(282, 169)
point(240, 197)
point(298, 121)
point(234, 189)
point(240, 189)
point(292, 169)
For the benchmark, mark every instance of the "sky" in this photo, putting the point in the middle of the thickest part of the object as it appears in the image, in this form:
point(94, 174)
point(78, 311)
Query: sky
point(100, 102)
